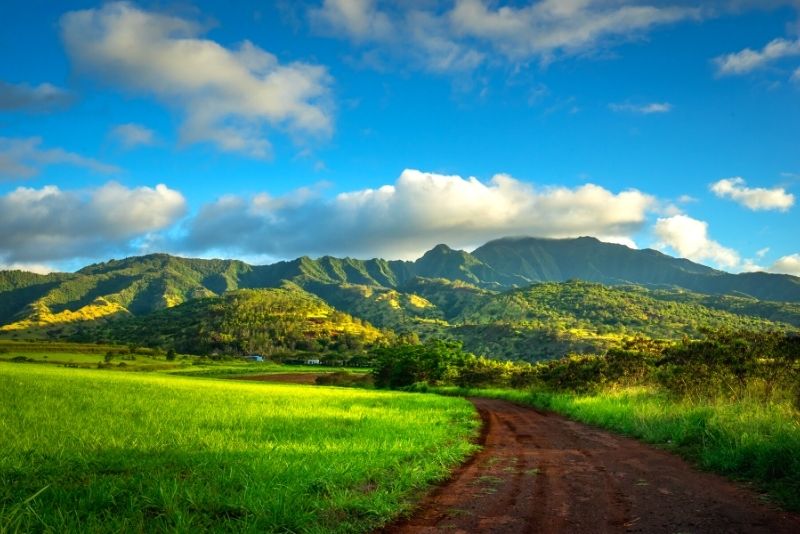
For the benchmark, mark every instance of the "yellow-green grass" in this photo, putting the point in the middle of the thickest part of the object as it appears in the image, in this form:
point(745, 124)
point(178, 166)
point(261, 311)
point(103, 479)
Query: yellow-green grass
point(232, 369)
point(746, 440)
point(90, 355)
point(82, 359)
point(183, 365)
point(8, 346)
point(94, 451)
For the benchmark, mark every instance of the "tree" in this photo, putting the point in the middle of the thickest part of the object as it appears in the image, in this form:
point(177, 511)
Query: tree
point(432, 362)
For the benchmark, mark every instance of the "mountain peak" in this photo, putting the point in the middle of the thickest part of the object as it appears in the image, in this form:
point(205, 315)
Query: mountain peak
point(439, 249)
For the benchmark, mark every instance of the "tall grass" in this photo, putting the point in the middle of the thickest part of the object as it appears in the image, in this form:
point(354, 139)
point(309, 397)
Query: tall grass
point(746, 439)
point(89, 451)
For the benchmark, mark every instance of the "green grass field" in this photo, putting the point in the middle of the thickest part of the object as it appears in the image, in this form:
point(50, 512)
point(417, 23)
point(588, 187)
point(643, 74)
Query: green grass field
point(89, 356)
point(745, 440)
point(96, 451)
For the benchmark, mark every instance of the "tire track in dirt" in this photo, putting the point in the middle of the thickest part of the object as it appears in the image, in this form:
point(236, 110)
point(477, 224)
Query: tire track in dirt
point(541, 473)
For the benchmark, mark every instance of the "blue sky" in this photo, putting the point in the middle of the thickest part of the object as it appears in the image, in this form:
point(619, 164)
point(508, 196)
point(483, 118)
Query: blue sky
point(365, 128)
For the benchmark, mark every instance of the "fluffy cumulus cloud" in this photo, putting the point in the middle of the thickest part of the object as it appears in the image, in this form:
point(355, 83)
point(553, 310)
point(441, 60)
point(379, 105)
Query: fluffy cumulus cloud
point(787, 264)
point(49, 224)
point(22, 96)
point(227, 96)
point(689, 238)
point(748, 60)
point(462, 35)
point(131, 135)
point(24, 157)
point(419, 210)
point(642, 109)
point(757, 198)
point(38, 268)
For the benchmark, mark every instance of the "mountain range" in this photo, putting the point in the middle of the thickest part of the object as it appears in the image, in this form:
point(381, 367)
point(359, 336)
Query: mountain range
point(512, 297)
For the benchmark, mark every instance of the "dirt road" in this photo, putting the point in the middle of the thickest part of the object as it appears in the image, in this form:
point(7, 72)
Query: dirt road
point(541, 473)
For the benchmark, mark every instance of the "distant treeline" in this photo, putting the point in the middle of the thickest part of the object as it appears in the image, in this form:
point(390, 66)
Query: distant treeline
point(728, 364)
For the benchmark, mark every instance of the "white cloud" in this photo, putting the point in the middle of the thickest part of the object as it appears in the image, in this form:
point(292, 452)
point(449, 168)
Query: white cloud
point(642, 109)
point(23, 96)
point(550, 27)
point(38, 268)
point(47, 224)
point(360, 19)
point(757, 198)
point(689, 238)
point(787, 265)
point(462, 37)
point(748, 60)
point(131, 135)
point(796, 75)
point(406, 218)
point(750, 266)
point(226, 95)
point(24, 157)
point(424, 36)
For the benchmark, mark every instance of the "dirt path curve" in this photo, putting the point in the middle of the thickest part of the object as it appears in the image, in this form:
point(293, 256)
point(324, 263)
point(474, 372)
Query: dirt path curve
point(541, 473)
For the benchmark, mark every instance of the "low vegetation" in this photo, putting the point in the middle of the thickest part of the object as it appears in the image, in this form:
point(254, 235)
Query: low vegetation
point(87, 451)
point(730, 401)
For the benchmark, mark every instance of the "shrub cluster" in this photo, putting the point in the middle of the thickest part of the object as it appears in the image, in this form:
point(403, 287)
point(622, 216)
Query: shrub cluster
point(729, 364)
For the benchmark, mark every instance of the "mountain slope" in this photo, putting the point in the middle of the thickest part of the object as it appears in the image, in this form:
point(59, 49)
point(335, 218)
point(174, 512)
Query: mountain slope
point(586, 258)
point(145, 284)
point(498, 293)
point(265, 321)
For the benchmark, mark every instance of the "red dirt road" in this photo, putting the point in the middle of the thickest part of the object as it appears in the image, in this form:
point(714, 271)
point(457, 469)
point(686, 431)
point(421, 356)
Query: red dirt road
point(541, 473)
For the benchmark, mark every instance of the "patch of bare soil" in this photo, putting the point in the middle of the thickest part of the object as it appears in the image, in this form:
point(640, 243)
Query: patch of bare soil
point(541, 473)
point(293, 378)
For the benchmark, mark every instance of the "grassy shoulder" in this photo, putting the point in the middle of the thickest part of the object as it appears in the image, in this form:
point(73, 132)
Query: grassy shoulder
point(746, 439)
point(97, 451)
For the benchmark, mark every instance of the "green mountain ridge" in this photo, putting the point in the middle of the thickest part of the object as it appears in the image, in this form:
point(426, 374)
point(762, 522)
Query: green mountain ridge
point(512, 297)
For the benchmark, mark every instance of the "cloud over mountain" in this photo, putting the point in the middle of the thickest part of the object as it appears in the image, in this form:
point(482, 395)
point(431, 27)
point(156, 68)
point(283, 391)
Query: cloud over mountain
point(417, 211)
point(689, 238)
point(787, 264)
point(49, 224)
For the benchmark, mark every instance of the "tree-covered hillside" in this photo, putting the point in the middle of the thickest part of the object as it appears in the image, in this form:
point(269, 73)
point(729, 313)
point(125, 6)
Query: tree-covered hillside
point(551, 319)
point(263, 321)
point(511, 298)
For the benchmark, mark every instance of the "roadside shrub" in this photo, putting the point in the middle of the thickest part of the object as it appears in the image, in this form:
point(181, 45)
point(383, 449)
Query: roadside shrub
point(733, 365)
point(483, 372)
